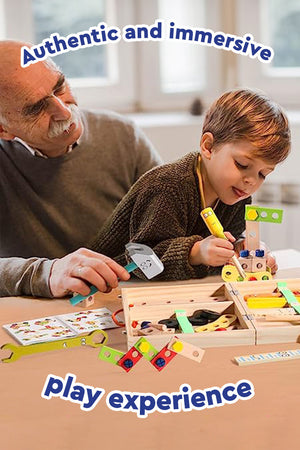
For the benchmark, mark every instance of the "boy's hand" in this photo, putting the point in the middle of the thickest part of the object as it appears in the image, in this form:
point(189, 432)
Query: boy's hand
point(212, 251)
point(271, 262)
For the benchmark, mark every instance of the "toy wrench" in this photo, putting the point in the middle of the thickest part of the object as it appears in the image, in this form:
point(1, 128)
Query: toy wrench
point(20, 350)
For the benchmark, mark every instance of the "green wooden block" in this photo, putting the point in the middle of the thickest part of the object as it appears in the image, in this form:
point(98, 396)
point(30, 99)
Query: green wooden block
point(255, 213)
point(145, 348)
point(289, 296)
point(183, 321)
point(110, 354)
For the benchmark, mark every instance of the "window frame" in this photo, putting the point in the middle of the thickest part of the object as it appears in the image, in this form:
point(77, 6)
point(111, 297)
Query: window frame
point(282, 85)
point(116, 92)
point(151, 96)
point(131, 89)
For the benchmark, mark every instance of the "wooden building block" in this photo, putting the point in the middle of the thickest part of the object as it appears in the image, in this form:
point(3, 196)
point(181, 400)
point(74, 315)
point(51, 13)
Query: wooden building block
point(185, 349)
point(246, 264)
point(222, 322)
point(146, 348)
point(258, 264)
point(110, 354)
point(268, 332)
point(130, 359)
point(148, 331)
point(163, 358)
point(252, 235)
point(89, 301)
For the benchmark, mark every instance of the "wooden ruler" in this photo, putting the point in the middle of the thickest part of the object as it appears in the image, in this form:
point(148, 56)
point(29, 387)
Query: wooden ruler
point(259, 358)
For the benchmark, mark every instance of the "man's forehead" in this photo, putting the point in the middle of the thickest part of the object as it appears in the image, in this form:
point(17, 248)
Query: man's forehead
point(32, 87)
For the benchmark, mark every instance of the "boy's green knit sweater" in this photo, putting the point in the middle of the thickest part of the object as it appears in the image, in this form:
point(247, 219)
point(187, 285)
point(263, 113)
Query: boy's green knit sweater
point(162, 210)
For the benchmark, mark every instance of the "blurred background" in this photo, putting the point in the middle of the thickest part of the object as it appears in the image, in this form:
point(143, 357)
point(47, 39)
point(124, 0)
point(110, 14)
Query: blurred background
point(166, 86)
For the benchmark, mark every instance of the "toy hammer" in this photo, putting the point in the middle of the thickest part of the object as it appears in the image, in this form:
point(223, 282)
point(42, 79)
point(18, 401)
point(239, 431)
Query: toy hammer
point(143, 258)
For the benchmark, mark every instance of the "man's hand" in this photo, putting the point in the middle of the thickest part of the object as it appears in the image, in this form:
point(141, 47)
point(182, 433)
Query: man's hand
point(74, 272)
point(212, 251)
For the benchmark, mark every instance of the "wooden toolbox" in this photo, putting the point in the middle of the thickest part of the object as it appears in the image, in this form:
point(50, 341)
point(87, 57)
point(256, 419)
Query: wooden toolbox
point(160, 302)
point(267, 332)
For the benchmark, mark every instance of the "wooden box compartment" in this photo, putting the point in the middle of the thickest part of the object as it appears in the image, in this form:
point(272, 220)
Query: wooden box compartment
point(160, 302)
point(267, 332)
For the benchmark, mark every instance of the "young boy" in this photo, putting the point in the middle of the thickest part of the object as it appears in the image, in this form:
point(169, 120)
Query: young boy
point(245, 135)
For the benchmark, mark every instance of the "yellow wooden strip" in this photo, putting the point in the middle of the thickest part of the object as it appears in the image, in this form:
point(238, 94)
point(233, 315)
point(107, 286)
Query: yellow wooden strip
point(222, 322)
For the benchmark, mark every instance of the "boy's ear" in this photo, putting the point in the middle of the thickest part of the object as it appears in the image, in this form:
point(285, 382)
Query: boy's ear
point(4, 134)
point(206, 144)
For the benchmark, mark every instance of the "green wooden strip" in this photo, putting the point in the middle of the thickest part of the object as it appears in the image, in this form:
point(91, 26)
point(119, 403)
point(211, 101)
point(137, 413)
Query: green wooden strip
point(270, 215)
point(289, 296)
point(183, 321)
point(110, 354)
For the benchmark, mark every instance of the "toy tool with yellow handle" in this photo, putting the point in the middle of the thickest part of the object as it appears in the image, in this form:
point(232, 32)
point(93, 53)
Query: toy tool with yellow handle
point(216, 229)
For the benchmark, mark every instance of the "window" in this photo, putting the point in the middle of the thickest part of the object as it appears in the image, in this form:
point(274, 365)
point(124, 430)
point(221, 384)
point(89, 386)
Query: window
point(275, 23)
point(101, 77)
point(181, 63)
point(126, 76)
point(172, 73)
point(166, 74)
point(89, 62)
point(282, 31)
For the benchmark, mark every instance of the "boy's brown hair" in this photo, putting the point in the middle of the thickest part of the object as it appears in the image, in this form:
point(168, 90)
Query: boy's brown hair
point(244, 114)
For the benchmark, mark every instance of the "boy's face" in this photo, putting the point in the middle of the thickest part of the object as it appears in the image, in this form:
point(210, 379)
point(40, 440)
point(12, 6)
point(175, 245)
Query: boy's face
point(233, 173)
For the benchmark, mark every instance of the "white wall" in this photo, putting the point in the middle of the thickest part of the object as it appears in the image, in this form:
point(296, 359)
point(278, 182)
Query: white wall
point(172, 134)
point(175, 134)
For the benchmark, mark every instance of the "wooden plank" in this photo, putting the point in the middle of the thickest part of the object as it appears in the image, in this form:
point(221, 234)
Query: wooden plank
point(259, 358)
point(252, 240)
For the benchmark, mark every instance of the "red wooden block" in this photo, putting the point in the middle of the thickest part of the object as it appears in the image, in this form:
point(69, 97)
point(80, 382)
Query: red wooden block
point(130, 359)
point(162, 358)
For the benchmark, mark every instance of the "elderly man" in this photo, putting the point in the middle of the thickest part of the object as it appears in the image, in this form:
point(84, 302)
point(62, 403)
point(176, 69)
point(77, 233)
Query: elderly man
point(62, 172)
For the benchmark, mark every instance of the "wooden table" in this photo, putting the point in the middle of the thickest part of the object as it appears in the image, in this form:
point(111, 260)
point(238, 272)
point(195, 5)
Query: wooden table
point(28, 422)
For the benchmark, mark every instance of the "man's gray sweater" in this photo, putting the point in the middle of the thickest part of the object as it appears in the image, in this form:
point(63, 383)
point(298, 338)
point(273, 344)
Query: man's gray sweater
point(50, 207)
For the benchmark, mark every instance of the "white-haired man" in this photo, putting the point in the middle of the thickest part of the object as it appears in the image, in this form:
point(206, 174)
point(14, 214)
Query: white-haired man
point(62, 172)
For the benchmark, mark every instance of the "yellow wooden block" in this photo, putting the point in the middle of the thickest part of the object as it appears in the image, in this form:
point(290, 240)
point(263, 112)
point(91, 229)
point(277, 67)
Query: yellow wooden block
point(252, 214)
point(144, 347)
point(177, 346)
point(230, 273)
point(267, 302)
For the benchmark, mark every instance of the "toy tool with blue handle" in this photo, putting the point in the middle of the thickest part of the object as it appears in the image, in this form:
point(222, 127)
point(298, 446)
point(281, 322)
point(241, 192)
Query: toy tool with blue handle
point(78, 298)
point(142, 257)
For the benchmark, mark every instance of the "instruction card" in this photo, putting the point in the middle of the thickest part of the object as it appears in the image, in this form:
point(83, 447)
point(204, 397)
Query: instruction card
point(59, 327)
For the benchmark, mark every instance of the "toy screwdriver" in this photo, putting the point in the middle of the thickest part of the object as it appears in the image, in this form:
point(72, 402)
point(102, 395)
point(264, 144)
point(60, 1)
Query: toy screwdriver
point(216, 229)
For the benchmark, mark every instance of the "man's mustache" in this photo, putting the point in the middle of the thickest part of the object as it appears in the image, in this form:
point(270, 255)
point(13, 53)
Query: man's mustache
point(58, 127)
